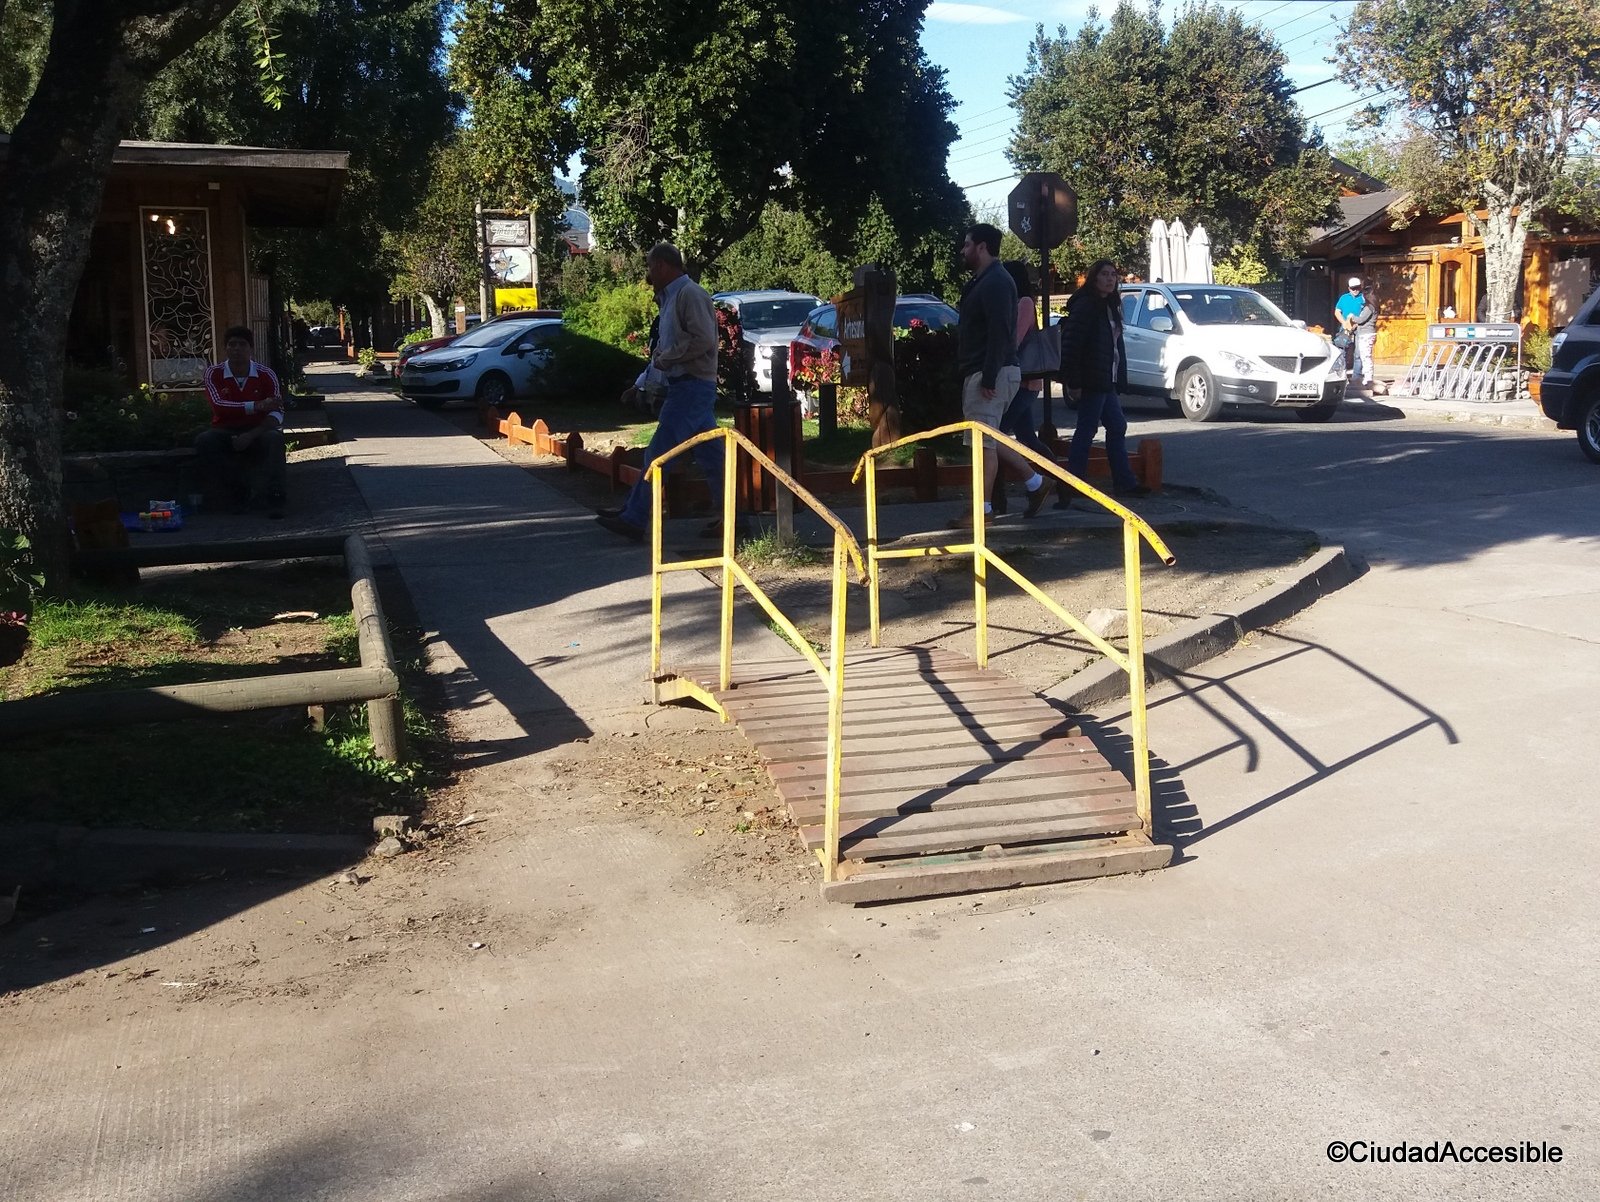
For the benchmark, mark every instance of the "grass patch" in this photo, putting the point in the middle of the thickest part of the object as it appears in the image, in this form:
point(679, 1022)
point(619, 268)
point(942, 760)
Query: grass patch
point(847, 444)
point(770, 550)
point(263, 771)
point(783, 634)
point(640, 436)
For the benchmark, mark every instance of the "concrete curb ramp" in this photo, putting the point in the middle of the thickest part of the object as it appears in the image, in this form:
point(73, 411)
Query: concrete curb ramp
point(1214, 634)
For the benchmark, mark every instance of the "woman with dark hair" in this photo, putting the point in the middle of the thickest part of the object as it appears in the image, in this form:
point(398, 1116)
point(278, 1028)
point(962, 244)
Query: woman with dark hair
point(1095, 365)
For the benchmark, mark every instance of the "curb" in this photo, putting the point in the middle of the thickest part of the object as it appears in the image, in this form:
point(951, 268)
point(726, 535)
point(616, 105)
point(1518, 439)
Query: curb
point(42, 853)
point(1213, 634)
point(1485, 416)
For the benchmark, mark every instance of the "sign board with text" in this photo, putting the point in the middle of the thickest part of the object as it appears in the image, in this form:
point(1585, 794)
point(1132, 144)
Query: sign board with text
point(507, 231)
point(855, 360)
point(1476, 331)
point(512, 300)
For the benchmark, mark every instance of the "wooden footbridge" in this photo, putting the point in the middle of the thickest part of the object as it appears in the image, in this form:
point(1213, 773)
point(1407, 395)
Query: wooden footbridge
point(911, 771)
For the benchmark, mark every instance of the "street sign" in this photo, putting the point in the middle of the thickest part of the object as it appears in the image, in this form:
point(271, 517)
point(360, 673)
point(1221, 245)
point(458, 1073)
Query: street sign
point(1043, 210)
point(855, 360)
point(507, 231)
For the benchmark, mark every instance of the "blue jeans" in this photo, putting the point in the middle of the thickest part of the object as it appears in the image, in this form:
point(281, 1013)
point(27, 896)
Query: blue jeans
point(1096, 409)
point(690, 409)
point(1018, 422)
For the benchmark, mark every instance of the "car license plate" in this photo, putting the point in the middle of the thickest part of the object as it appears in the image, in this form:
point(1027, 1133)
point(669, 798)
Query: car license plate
point(1301, 390)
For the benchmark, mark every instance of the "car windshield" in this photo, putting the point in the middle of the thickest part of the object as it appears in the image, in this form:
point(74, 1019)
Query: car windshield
point(1227, 307)
point(494, 334)
point(930, 313)
point(774, 314)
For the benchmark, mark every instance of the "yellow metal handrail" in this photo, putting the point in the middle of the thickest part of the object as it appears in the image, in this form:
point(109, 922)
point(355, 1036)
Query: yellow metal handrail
point(1134, 528)
point(845, 549)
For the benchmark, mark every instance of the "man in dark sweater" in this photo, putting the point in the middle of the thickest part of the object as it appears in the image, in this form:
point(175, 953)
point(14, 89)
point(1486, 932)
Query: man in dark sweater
point(986, 355)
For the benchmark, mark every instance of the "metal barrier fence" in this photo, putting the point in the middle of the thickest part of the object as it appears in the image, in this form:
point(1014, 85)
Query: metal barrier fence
point(1134, 528)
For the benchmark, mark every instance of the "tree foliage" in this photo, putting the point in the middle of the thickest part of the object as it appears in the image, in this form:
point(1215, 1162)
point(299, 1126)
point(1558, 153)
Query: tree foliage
point(434, 253)
point(1504, 90)
point(24, 37)
point(691, 117)
point(365, 76)
point(1197, 121)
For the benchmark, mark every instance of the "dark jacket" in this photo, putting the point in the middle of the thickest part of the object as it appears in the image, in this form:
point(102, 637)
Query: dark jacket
point(1087, 342)
point(986, 339)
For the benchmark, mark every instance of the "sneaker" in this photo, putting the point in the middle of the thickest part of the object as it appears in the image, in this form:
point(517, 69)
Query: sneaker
point(963, 521)
point(621, 526)
point(1039, 496)
point(1131, 490)
point(610, 511)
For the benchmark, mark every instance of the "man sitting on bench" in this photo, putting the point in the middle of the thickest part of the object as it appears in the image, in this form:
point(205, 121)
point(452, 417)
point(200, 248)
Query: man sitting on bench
point(242, 455)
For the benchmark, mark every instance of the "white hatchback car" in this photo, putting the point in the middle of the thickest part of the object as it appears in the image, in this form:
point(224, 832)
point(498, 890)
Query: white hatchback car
point(1205, 346)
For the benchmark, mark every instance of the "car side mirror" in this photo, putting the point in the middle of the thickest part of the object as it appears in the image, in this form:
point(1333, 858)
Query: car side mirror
point(1161, 324)
point(525, 348)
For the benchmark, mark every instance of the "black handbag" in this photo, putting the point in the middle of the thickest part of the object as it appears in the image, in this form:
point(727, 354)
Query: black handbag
point(1040, 352)
point(1342, 340)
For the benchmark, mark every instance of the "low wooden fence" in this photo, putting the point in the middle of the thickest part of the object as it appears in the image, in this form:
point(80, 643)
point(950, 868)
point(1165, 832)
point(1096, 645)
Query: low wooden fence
point(924, 475)
point(376, 681)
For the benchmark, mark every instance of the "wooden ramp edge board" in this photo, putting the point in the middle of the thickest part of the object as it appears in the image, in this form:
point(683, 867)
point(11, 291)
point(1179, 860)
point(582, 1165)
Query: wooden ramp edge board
point(997, 868)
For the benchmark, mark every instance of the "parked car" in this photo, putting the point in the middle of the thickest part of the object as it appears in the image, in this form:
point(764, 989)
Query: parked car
point(1207, 346)
point(423, 345)
point(820, 333)
point(769, 319)
point(492, 364)
point(1570, 393)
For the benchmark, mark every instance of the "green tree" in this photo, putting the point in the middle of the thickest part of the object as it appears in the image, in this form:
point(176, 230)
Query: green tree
point(366, 77)
point(434, 254)
point(102, 54)
point(1197, 122)
point(1505, 89)
point(25, 34)
point(691, 117)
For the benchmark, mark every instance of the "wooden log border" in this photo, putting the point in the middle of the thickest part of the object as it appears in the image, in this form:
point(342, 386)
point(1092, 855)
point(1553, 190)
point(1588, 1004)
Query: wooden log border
point(376, 681)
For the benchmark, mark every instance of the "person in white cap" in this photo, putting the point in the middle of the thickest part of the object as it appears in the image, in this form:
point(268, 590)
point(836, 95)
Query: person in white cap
point(1359, 318)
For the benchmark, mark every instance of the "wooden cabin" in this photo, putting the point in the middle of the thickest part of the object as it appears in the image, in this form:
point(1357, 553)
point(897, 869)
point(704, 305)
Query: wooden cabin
point(1423, 268)
point(169, 261)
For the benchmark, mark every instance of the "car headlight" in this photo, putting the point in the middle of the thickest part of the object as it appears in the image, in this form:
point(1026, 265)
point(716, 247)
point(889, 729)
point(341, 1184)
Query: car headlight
point(458, 363)
point(1239, 363)
point(1336, 365)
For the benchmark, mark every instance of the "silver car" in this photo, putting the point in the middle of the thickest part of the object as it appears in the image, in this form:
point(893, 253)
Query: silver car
point(491, 365)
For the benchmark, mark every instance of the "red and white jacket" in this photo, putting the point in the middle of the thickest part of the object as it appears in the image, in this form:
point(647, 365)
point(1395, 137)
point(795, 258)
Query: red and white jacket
point(234, 401)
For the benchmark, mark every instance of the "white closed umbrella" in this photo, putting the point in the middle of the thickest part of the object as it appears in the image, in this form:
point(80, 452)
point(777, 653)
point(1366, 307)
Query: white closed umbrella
point(1200, 256)
point(1158, 250)
point(1178, 252)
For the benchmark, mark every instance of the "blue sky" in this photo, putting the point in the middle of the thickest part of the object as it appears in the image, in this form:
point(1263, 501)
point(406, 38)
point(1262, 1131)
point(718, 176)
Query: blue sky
point(981, 45)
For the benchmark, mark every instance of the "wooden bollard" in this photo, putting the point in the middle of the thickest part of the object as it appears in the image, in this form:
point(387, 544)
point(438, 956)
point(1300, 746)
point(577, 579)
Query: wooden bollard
point(541, 438)
point(509, 425)
point(925, 462)
point(573, 445)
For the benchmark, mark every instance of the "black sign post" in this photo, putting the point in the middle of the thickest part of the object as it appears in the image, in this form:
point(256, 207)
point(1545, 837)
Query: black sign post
point(1043, 212)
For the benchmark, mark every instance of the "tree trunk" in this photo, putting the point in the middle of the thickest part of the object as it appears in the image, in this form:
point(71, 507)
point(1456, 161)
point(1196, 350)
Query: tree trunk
point(1505, 234)
point(51, 185)
point(435, 316)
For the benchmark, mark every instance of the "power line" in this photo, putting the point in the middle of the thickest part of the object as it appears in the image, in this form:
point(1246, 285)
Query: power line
point(999, 179)
point(1350, 104)
point(988, 125)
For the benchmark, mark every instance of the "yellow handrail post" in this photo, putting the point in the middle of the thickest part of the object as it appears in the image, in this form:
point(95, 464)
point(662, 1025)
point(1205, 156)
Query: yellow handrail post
point(980, 563)
point(830, 864)
point(655, 586)
point(1136, 699)
point(872, 549)
point(730, 502)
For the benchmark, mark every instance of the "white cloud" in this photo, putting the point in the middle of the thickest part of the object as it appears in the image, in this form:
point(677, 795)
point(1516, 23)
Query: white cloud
point(971, 14)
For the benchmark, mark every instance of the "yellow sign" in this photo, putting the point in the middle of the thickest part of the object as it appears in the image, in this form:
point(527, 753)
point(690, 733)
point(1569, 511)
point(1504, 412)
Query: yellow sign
point(509, 300)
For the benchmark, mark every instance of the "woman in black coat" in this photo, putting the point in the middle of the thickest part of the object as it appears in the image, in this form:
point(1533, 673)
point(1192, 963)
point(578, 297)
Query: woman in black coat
point(1095, 366)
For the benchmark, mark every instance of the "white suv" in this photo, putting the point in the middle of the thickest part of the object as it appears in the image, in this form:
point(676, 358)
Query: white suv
point(1204, 346)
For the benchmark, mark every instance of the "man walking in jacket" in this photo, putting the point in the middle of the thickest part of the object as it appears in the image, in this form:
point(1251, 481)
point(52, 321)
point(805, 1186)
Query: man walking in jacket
point(986, 355)
point(686, 354)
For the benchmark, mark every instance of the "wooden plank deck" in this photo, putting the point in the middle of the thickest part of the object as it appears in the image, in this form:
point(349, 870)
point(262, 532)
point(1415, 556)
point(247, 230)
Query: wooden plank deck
point(955, 778)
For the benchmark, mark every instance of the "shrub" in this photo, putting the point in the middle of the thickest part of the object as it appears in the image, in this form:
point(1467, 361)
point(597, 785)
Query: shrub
point(419, 335)
point(616, 314)
point(736, 377)
point(927, 376)
point(367, 357)
point(18, 581)
point(584, 368)
point(144, 420)
point(1536, 352)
